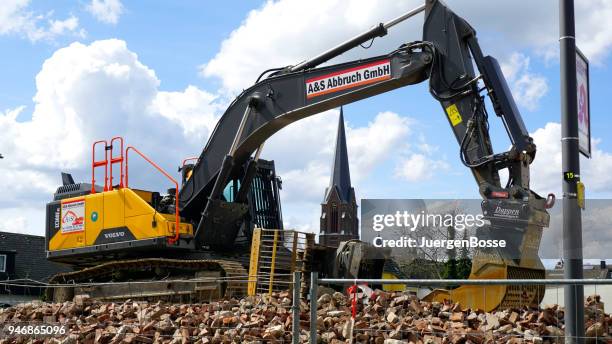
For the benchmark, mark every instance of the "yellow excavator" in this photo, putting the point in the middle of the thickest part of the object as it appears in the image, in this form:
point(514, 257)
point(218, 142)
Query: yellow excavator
point(112, 232)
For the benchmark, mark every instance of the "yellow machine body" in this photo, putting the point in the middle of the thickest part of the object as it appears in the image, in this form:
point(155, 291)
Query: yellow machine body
point(108, 220)
point(392, 287)
point(497, 264)
point(491, 297)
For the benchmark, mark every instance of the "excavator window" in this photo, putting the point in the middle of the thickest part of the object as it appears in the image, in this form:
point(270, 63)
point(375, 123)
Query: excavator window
point(231, 189)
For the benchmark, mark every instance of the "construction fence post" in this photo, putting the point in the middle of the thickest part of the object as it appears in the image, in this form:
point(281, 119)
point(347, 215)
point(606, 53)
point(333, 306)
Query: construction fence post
point(314, 282)
point(295, 328)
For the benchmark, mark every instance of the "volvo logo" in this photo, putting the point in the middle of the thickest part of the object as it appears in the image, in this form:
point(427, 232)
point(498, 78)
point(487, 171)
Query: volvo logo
point(114, 235)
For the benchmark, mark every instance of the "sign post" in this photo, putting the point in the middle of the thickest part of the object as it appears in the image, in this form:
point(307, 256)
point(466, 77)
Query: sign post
point(572, 218)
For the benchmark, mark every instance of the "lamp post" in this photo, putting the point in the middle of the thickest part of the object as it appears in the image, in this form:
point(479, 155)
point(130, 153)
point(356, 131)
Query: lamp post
point(572, 221)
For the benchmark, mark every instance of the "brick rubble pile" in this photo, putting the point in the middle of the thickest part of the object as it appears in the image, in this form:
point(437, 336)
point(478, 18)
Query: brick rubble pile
point(385, 318)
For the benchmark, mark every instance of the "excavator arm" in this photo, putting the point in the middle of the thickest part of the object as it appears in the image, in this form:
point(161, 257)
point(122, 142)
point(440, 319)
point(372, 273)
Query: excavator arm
point(455, 84)
point(267, 107)
point(459, 77)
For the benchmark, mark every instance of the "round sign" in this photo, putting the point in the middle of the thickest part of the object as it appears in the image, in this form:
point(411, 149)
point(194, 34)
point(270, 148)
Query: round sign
point(94, 216)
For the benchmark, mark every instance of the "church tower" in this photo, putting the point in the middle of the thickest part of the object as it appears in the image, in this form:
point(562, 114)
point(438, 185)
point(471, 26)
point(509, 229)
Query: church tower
point(339, 220)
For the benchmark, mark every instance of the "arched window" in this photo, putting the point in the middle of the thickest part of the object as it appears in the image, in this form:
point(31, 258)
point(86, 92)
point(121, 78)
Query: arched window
point(333, 223)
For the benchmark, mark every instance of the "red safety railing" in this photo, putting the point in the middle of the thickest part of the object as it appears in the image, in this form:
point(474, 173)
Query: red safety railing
point(175, 238)
point(116, 160)
point(99, 163)
point(195, 158)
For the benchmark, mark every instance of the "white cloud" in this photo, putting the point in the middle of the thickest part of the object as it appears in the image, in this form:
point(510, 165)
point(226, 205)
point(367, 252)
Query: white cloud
point(310, 139)
point(16, 18)
point(369, 146)
point(535, 25)
point(420, 162)
point(424, 147)
point(527, 87)
point(419, 167)
point(83, 91)
point(22, 219)
point(310, 27)
point(197, 111)
point(305, 185)
point(106, 11)
point(60, 27)
point(546, 168)
point(89, 92)
point(593, 31)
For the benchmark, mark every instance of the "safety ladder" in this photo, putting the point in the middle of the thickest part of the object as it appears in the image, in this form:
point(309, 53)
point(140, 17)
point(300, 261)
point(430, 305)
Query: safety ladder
point(275, 255)
point(109, 160)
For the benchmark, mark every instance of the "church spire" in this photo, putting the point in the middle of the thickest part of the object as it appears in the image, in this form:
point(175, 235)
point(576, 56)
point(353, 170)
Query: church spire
point(339, 220)
point(340, 176)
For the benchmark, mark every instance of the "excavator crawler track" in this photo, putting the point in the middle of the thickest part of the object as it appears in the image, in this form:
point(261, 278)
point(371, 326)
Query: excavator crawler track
point(154, 279)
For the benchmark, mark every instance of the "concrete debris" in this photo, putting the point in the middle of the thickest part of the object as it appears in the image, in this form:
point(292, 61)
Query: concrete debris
point(382, 318)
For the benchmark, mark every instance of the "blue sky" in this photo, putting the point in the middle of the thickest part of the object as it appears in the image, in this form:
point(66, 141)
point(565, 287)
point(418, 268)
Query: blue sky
point(156, 32)
point(167, 70)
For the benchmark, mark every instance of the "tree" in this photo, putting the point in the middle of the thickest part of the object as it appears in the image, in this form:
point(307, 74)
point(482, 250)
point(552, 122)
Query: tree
point(450, 267)
point(464, 264)
point(438, 261)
